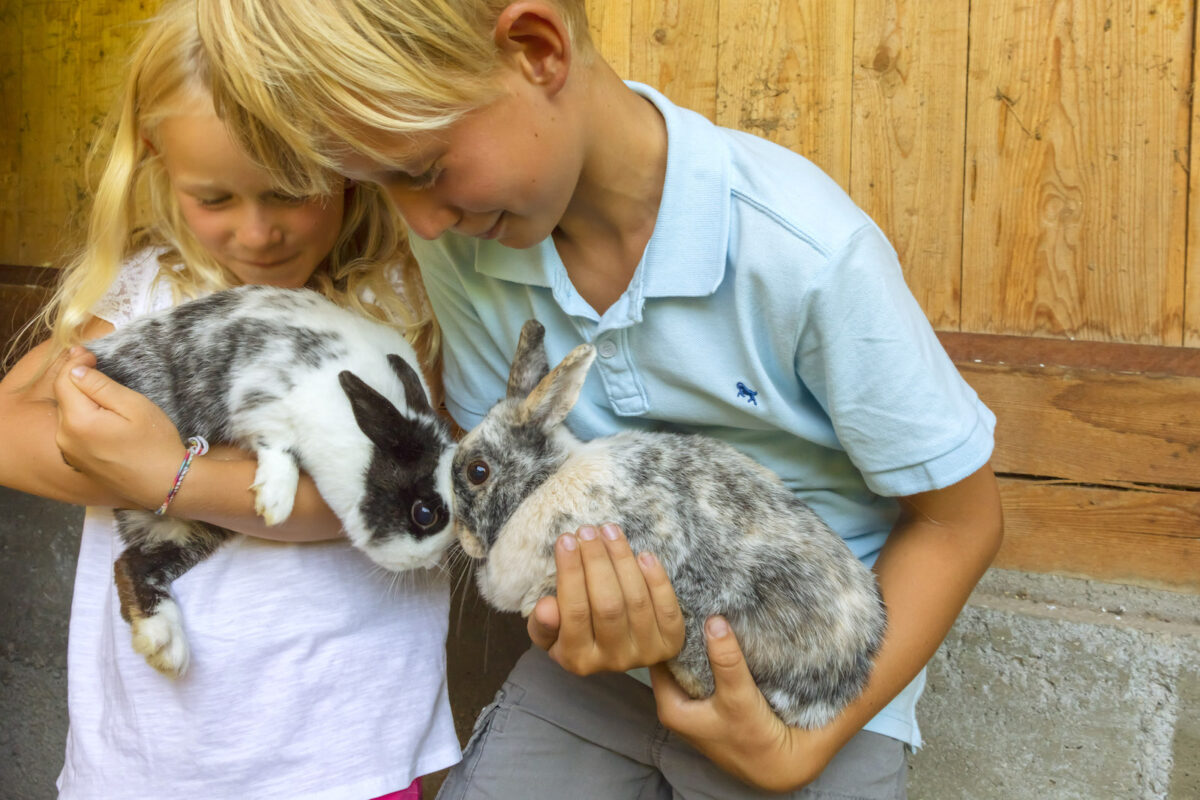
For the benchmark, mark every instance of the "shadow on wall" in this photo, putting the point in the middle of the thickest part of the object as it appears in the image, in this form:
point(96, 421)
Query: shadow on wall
point(39, 541)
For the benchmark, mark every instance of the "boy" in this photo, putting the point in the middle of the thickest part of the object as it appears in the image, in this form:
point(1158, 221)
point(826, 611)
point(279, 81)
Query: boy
point(730, 288)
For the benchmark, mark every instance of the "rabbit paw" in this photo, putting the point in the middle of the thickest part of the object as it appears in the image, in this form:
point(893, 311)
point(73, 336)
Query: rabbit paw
point(275, 484)
point(160, 638)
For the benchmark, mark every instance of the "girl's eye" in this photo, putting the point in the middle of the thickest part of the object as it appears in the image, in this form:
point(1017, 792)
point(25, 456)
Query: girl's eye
point(423, 515)
point(289, 199)
point(477, 472)
point(212, 202)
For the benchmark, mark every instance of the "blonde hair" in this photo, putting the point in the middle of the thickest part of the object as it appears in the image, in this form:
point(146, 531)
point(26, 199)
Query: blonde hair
point(133, 208)
point(301, 82)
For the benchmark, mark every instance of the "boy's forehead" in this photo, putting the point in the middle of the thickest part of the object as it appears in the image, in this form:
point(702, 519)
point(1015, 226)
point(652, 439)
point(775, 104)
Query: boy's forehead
point(373, 150)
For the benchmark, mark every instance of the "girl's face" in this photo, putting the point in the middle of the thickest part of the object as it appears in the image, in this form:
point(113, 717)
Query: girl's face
point(234, 211)
point(506, 171)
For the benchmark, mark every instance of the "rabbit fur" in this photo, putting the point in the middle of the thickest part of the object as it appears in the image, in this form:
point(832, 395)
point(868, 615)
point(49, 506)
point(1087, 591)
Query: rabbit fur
point(304, 385)
point(733, 539)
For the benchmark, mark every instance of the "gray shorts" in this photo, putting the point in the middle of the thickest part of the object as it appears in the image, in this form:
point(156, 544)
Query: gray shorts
point(551, 735)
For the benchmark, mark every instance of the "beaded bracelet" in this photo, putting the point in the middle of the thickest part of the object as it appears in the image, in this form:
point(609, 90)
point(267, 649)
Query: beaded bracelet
point(196, 446)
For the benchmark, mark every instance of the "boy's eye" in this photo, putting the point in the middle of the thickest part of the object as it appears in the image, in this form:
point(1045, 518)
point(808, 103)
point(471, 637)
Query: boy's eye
point(412, 182)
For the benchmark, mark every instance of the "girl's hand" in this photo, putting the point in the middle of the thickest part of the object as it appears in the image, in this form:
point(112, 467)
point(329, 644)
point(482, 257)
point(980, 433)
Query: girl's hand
point(613, 612)
point(735, 727)
point(114, 435)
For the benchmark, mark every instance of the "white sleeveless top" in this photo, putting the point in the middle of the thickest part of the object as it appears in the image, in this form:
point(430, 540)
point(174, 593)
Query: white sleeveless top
point(314, 674)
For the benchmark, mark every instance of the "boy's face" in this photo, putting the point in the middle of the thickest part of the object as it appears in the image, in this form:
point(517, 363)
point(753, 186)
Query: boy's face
point(506, 171)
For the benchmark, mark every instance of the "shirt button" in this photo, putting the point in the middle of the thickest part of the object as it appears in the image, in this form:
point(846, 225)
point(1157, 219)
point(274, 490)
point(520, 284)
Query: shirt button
point(607, 349)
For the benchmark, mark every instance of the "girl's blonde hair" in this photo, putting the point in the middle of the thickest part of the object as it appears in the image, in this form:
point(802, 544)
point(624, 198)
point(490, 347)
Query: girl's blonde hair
point(133, 207)
point(303, 82)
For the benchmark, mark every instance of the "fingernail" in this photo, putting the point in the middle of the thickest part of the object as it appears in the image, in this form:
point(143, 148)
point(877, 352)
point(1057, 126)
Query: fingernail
point(587, 533)
point(79, 371)
point(648, 560)
point(568, 542)
point(610, 531)
point(716, 627)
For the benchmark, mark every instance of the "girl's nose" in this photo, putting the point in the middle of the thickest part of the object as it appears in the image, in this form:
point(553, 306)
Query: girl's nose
point(424, 214)
point(258, 228)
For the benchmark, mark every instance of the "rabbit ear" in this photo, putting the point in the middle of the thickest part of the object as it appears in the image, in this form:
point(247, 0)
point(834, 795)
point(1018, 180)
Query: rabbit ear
point(414, 392)
point(550, 402)
point(378, 418)
point(529, 364)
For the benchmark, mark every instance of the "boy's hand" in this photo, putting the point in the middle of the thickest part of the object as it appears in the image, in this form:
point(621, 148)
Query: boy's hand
point(735, 727)
point(612, 612)
point(113, 434)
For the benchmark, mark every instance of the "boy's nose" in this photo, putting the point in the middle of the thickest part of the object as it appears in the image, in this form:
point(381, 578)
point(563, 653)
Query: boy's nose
point(426, 216)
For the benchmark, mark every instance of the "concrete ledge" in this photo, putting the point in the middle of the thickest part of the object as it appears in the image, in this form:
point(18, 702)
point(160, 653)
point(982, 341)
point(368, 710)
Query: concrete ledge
point(1054, 688)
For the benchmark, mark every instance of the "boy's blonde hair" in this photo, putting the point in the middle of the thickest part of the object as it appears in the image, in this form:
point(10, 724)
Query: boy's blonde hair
point(133, 207)
point(305, 81)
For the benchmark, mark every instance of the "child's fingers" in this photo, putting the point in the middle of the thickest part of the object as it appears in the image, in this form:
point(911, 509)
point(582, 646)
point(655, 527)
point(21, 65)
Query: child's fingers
point(668, 617)
point(95, 386)
point(544, 623)
point(735, 686)
point(615, 586)
point(575, 612)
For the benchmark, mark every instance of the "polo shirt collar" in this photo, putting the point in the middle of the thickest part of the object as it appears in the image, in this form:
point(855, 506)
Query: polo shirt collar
point(686, 254)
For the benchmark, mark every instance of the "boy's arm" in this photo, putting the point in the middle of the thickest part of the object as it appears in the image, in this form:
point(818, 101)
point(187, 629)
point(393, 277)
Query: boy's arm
point(128, 452)
point(935, 555)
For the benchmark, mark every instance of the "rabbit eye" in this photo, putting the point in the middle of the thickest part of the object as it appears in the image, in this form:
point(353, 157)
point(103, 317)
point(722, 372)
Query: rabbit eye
point(477, 472)
point(423, 515)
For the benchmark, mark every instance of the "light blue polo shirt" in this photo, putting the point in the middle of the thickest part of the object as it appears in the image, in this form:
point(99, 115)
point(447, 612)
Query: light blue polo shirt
point(768, 311)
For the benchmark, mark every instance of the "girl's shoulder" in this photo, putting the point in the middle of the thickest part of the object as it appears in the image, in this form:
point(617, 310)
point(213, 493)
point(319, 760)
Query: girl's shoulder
point(136, 290)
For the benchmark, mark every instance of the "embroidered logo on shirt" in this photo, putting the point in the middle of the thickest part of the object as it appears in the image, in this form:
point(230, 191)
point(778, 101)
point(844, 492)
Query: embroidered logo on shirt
point(745, 391)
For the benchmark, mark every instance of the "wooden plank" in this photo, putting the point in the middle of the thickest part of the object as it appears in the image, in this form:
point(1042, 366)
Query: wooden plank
point(50, 105)
point(1075, 218)
point(611, 26)
point(1191, 326)
point(1142, 538)
point(785, 74)
point(1091, 426)
point(674, 49)
point(1029, 351)
point(10, 125)
point(909, 129)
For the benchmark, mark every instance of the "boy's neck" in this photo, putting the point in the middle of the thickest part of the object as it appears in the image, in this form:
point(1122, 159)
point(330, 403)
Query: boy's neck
point(611, 216)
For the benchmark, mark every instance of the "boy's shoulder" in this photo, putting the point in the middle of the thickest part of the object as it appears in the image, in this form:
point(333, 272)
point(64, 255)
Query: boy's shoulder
point(790, 191)
point(766, 185)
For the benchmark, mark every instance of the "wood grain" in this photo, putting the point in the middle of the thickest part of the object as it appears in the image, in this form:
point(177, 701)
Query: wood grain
point(1135, 537)
point(1076, 192)
point(674, 49)
point(611, 25)
point(907, 139)
point(785, 75)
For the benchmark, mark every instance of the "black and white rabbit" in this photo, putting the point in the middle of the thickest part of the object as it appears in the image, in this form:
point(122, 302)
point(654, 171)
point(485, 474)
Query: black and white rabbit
point(305, 385)
point(733, 539)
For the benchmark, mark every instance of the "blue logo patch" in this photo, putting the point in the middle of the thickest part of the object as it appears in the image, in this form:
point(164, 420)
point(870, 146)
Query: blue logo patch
point(748, 393)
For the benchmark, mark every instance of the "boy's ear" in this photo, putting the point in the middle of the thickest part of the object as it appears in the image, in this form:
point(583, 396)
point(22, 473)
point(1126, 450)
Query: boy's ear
point(535, 37)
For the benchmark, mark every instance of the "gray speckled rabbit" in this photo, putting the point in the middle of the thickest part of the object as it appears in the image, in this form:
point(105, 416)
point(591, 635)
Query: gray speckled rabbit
point(732, 538)
point(305, 385)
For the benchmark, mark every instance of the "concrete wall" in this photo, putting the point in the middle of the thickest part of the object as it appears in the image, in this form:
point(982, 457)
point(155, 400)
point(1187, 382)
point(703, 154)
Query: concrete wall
point(1046, 688)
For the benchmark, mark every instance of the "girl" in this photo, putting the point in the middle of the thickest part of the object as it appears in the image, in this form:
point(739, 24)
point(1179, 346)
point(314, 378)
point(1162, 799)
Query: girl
point(316, 675)
point(730, 288)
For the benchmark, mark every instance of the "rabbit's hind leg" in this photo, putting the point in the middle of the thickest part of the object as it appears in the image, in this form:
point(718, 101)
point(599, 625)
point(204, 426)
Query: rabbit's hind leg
point(143, 575)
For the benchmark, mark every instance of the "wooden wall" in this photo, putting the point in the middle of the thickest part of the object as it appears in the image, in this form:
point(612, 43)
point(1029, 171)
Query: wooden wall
point(1031, 163)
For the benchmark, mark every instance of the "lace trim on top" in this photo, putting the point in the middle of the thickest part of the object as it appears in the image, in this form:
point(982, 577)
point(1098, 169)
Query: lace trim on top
point(135, 291)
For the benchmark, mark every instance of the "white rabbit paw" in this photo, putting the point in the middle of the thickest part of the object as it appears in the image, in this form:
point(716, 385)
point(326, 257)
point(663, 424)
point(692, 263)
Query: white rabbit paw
point(275, 484)
point(160, 638)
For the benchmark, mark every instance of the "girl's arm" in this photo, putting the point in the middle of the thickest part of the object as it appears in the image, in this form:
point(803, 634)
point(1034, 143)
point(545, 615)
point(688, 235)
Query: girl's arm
point(936, 553)
point(124, 452)
point(30, 461)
